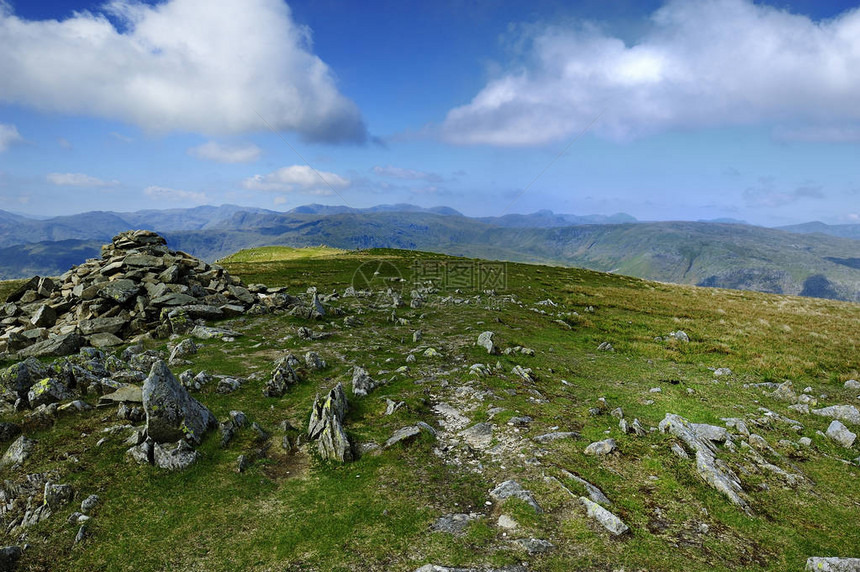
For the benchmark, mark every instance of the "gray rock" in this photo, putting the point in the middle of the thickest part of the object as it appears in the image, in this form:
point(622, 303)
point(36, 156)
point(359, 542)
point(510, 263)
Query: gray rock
point(104, 340)
point(485, 340)
point(174, 456)
point(840, 433)
point(171, 413)
point(44, 317)
point(102, 325)
point(9, 431)
point(17, 452)
point(715, 473)
point(478, 436)
point(82, 534)
point(326, 426)
point(173, 299)
point(852, 384)
point(140, 454)
point(120, 291)
point(512, 489)
point(601, 447)
point(209, 333)
point(594, 493)
point(391, 407)
point(184, 348)
point(846, 413)
point(9, 557)
point(283, 377)
point(455, 524)
point(550, 437)
point(832, 564)
point(362, 383)
point(785, 392)
point(58, 496)
point(606, 519)
point(48, 390)
point(61, 345)
point(89, 503)
point(680, 335)
point(710, 432)
point(534, 545)
point(403, 435)
point(19, 377)
point(314, 362)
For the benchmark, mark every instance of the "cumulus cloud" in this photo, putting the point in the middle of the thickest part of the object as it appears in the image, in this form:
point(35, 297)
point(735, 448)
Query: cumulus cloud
point(8, 136)
point(186, 65)
point(406, 174)
point(700, 63)
point(226, 153)
point(297, 178)
point(78, 180)
point(174, 195)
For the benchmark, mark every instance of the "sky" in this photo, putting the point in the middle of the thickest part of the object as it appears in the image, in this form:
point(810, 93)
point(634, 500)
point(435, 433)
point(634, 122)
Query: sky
point(675, 110)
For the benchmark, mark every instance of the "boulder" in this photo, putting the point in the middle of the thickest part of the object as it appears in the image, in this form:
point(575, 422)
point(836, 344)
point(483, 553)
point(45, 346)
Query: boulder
point(174, 456)
point(120, 291)
point(846, 413)
point(283, 377)
point(171, 413)
point(326, 426)
point(61, 345)
point(601, 447)
point(485, 340)
point(840, 433)
point(58, 496)
point(48, 390)
point(17, 452)
point(362, 383)
point(606, 519)
point(512, 489)
point(403, 435)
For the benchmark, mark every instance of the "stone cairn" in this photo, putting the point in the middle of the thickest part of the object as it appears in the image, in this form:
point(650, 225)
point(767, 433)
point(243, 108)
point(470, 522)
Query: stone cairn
point(137, 288)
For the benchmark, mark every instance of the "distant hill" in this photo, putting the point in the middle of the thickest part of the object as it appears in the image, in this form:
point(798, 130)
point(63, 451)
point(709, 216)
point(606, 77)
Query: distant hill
point(726, 255)
point(841, 230)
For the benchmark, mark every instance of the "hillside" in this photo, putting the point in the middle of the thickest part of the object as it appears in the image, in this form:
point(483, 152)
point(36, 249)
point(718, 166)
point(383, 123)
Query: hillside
point(726, 255)
point(579, 357)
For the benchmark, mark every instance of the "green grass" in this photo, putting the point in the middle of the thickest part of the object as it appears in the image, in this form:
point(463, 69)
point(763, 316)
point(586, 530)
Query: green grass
point(292, 512)
point(280, 254)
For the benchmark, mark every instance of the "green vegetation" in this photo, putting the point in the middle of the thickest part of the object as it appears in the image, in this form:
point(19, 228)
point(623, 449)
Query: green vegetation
point(293, 512)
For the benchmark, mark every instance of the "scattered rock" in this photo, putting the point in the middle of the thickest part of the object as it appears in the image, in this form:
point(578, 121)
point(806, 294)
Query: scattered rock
point(550, 437)
point(403, 435)
point(362, 383)
point(171, 413)
point(485, 340)
point(534, 545)
point(606, 519)
point(840, 433)
point(283, 377)
point(478, 436)
point(846, 413)
point(852, 384)
point(174, 456)
point(604, 447)
point(512, 489)
point(17, 452)
point(832, 564)
point(455, 524)
point(58, 496)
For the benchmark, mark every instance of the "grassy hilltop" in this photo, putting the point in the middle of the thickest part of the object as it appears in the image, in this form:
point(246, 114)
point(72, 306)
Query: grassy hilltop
point(290, 511)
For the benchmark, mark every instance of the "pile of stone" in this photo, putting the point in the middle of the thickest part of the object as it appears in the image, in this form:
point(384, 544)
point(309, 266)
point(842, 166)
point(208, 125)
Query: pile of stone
point(138, 287)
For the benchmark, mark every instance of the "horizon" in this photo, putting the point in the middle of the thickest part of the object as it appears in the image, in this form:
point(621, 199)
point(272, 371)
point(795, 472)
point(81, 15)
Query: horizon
point(666, 111)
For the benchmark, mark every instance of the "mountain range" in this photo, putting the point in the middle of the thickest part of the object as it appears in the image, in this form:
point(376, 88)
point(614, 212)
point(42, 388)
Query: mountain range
point(812, 259)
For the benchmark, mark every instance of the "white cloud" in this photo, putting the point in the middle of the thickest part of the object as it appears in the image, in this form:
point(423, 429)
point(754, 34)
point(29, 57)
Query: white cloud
point(8, 136)
point(225, 153)
point(174, 195)
point(701, 63)
point(297, 178)
point(121, 137)
point(78, 180)
point(186, 65)
point(406, 174)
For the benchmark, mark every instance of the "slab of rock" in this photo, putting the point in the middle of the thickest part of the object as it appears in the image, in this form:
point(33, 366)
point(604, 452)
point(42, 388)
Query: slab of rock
point(594, 493)
point(478, 436)
point(845, 413)
point(102, 325)
point(485, 340)
point(403, 435)
point(832, 564)
point(209, 333)
point(606, 519)
point(550, 437)
point(283, 377)
point(709, 468)
point(125, 394)
point(534, 545)
point(17, 452)
point(48, 390)
point(852, 384)
point(104, 340)
point(58, 496)
point(174, 456)
point(512, 489)
point(362, 383)
point(840, 433)
point(120, 291)
point(326, 426)
point(61, 345)
point(455, 524)
point(601, 447)
point(171, 413)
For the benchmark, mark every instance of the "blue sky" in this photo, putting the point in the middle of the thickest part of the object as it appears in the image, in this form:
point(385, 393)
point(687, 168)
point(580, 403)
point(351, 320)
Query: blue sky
point(693, 109)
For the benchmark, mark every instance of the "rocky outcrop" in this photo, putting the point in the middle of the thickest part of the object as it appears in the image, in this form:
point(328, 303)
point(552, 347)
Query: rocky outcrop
point(171, 413)
point(326, 426)
point(138, 286)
